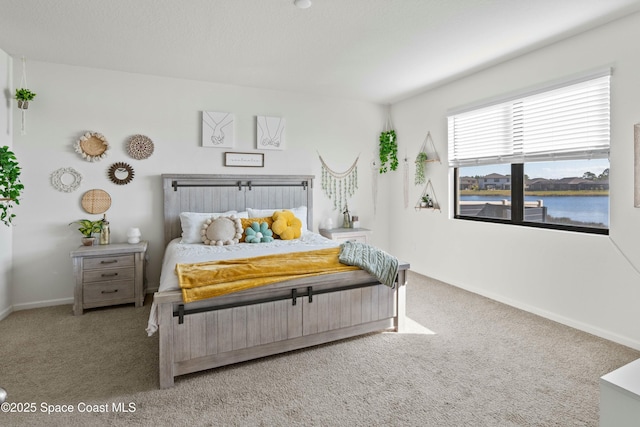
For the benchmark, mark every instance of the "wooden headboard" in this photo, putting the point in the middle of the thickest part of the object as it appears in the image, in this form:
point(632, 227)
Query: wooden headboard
point(221, 193)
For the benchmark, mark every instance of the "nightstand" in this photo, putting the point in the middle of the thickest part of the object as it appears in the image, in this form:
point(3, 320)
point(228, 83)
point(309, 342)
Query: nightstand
point(109, 275)
point(346, 234)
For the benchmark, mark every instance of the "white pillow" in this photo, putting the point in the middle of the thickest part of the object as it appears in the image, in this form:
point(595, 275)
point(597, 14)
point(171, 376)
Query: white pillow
point(191, 223)
point(300, 213)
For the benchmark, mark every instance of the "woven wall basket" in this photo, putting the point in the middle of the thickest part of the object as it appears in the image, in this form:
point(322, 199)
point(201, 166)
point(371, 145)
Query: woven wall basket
point(96, 201)
point(92, 146)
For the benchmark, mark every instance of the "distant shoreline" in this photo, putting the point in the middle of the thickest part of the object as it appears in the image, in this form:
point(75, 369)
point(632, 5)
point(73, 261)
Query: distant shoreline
point(507, 193)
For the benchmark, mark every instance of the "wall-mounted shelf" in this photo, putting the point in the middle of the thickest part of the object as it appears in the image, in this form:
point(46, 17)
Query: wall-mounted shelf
point(430, 148)
point(428, 190)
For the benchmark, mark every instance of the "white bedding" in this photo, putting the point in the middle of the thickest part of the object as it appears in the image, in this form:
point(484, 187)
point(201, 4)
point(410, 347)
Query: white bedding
point(177, 252)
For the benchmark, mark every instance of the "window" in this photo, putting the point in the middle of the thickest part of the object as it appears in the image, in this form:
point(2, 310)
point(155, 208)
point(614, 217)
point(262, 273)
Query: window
point(538, 160)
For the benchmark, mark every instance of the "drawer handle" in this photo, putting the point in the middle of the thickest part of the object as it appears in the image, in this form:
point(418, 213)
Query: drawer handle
point(109, 292)
point(109, 275)
point(109, 262)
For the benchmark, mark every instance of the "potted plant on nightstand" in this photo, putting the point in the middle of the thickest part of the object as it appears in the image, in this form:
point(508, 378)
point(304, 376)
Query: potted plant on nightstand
point(23, 96)
point(88, 228)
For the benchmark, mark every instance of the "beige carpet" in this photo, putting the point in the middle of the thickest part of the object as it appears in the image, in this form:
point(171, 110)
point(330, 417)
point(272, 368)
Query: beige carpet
point(468, 361)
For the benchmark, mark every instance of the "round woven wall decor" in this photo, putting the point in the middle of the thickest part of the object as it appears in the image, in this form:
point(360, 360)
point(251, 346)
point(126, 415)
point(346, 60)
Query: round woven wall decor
point(96, 201)
point(140, 147)
point(121, 173)
point(92, 146)
point(66, 179)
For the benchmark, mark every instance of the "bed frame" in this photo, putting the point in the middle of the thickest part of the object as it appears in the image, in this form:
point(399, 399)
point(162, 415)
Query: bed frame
point(270, 319)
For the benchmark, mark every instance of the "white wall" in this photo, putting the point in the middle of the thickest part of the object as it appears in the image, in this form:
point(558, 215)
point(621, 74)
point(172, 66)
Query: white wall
point(73, 100)
point(6, 233)
point(578, 279)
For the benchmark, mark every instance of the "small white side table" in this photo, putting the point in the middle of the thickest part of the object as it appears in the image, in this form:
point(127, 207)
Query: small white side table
point(620, 397)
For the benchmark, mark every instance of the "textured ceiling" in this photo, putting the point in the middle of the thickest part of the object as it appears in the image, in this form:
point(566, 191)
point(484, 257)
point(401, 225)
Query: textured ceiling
point(373, 50)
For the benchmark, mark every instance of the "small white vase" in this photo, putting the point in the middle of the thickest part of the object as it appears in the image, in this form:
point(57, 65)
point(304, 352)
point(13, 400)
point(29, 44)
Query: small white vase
point(133, 235)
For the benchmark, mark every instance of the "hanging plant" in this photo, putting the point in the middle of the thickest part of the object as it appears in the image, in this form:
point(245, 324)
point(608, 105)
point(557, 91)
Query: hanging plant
point(24, 96)
point(421, 158)
point(388, 151)
point(10, 185)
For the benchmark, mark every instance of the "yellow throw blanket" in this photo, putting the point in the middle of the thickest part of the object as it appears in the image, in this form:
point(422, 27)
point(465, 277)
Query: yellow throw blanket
point(214, 278)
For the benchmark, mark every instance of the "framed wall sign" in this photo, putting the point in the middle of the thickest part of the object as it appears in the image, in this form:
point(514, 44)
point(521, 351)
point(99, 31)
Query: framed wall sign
point(255, 160)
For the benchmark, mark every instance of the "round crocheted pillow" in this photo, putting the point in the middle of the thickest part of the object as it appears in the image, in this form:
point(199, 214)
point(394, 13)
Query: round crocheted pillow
point(224, 230)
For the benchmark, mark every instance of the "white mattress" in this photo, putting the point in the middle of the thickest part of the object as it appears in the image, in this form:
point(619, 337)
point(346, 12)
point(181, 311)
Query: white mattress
point(177, 252)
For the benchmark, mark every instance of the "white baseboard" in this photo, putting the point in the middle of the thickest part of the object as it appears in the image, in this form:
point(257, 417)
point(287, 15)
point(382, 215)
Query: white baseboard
point(7, 311)
point(46, 303)
point(40, 304)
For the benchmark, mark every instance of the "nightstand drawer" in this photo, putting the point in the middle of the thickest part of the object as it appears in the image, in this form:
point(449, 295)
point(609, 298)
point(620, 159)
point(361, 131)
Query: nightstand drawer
point(109, 262)
point(360, 239)
point(346, 234)
point(99, 293)
point(109, 275)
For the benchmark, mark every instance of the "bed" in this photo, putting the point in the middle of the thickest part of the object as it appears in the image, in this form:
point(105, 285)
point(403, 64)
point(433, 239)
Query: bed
point(269, 319)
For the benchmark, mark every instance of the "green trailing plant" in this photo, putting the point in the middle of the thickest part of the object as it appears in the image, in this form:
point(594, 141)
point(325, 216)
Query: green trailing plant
point(23, 94)
point(10, 186)
point(421, 158)
point(88, 227)
point(388, 151)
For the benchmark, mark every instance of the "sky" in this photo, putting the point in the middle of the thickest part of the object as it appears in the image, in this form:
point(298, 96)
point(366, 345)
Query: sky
point(549, 170)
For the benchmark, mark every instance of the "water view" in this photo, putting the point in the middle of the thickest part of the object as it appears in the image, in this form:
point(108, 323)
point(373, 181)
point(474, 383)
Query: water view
point(570, 192)
point(583, 209)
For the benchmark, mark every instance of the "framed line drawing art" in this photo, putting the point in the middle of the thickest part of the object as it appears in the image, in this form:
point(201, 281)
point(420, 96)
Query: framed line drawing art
point(255, 160)
point(217, 129)
point(270, 133)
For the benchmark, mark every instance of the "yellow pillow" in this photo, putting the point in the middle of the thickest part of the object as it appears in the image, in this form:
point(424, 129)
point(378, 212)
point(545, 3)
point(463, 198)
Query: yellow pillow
point(246, 222)
point(286, 225)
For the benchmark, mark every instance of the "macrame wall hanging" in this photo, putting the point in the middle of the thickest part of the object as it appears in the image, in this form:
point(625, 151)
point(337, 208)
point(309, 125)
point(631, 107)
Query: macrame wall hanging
point(375, 171)
point(405, 181)
point(339, 186)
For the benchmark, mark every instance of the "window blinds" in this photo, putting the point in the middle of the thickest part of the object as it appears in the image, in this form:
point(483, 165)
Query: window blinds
point(568, 122)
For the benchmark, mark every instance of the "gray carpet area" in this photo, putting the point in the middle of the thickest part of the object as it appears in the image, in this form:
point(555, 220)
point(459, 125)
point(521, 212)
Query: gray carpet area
point(466, 361)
